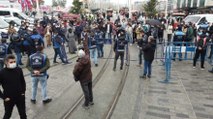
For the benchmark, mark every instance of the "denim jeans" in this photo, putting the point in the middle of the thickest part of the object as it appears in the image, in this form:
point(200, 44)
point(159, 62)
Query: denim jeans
point(140, 56)
point(108, 36)
point(43, 82)
point(87, 90)
point(94, 55)
point(147, 68)
point(58, 52)
point(100, 50)
point(18, 58)
point(129, 38)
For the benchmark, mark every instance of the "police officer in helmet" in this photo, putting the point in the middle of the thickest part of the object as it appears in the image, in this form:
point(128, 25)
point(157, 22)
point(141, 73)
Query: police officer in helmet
point(38, 64)
point(119, 48)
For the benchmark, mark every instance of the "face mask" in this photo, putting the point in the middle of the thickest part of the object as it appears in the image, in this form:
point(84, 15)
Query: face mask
point(12, 66)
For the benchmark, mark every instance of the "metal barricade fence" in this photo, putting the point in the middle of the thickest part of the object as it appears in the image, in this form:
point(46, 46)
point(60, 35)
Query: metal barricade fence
point(185, 49)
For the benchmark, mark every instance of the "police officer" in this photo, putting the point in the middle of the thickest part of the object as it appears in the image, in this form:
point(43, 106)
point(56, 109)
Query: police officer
point(4, 50)
point(119, 48)
point(178, 38)
point(37, 40)
point(16, 46)
point(38, 64)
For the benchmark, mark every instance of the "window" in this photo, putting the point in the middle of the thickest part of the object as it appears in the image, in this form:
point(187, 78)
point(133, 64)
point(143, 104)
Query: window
point(17, 15)
point(202, 3)
point(4, 13)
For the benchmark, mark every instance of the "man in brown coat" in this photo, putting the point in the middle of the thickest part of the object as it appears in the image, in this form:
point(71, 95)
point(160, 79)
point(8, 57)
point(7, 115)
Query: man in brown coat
point(82, 72)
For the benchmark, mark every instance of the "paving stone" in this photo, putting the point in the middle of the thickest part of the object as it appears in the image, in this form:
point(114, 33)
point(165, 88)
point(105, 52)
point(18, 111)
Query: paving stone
point(158, 92)
point(198, 114)
point(181, 115)
point(207, 105)
point(163, 100)
point(176, 91)
point(163, 109)
point(199, 108)
point(157, 87)
point(161, 115)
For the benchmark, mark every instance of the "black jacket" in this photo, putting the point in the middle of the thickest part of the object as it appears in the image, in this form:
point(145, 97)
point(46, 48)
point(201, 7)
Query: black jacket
point(149, 51)
point(13, 83)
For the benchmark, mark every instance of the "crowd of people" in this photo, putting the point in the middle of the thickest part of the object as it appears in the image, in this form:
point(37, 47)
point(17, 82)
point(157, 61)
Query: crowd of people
point(90, 36)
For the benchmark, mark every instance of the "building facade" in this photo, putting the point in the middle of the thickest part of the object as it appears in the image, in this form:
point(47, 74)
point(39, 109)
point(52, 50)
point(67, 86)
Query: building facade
point(195, 6)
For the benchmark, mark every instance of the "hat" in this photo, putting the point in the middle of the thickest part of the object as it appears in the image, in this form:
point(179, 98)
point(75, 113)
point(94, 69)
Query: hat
point(81, 53)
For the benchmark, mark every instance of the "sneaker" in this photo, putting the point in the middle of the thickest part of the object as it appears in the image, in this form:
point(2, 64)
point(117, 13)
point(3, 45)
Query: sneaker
point(86, 107)
point(149, 76)
point(91, 103)
point(194, 67)
point(202, 68)
point(121, 68)
point(96, 65)
point(55, 62)
point(33, 101)
point(47, 100)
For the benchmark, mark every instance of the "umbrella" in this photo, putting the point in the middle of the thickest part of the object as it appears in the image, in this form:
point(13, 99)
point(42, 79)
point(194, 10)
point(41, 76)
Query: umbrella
point(153, 22)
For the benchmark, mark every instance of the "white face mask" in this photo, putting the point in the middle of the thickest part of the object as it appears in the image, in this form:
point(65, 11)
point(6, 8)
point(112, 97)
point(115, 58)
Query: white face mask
point(11, 66)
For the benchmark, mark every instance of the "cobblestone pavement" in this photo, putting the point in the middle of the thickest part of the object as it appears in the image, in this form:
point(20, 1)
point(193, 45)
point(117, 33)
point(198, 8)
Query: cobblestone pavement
point(189, 95)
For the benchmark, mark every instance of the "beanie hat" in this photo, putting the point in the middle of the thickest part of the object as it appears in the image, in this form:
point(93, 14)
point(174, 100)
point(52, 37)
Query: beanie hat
point(81, 53)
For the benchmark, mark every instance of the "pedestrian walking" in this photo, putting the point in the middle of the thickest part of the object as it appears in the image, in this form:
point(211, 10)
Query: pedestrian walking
point(149, 53)
point(14, 87)
point(82, 73)
point(38, 64)
point(71, 41)
point(57, 44)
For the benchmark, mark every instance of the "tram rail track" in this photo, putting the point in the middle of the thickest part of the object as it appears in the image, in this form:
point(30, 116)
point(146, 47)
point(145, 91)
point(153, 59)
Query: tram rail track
point(95, 81)
point(115, 98)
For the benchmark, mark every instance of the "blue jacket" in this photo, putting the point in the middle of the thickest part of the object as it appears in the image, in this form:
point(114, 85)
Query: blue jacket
point(57, 41)
point(92, 42)
point(37, 40)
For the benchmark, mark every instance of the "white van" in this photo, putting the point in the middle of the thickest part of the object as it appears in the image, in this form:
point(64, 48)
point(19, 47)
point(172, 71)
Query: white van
point(198, 19)
point(10, 12)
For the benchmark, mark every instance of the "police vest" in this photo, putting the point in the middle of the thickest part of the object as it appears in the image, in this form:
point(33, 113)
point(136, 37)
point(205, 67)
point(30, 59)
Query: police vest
point(3, 51)
point(121, 45)
point(37, 61)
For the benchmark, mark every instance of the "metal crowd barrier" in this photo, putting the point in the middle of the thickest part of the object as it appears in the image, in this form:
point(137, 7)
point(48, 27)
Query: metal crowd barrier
point(185, 50)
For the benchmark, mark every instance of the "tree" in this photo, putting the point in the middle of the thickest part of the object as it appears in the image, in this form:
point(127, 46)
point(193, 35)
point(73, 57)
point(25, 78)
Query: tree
point(76, 8)
point(150, 8)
